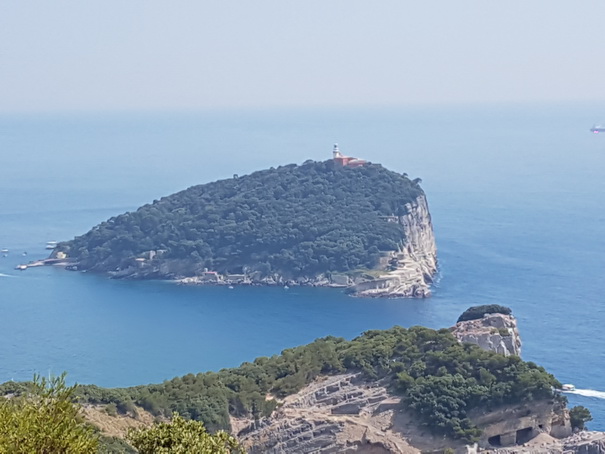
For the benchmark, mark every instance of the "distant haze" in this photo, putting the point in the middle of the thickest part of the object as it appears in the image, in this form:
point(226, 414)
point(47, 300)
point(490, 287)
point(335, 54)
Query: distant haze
point(191, 55)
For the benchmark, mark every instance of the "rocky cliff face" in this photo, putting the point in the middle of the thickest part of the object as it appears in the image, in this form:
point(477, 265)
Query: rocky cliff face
point(415, 264)
point(493, 332)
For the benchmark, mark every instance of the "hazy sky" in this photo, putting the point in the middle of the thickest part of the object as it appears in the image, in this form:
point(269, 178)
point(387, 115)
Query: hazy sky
point(200, 54)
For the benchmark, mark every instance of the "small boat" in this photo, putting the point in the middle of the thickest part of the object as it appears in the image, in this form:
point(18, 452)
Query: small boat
point(24, 254)
point(51, 244)
point(597, 129)
point(286, 287)
point(21, 267)
point(231, 287)
point(4, 251)
point(568, 387)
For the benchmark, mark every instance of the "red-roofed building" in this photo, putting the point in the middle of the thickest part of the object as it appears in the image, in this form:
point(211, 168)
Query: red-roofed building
point(346, 161)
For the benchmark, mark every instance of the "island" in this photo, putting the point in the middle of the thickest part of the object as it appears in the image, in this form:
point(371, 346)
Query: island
point(344, 222)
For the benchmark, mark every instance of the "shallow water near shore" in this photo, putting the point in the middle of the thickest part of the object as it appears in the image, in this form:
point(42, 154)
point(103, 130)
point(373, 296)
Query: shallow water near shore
point(516, 196)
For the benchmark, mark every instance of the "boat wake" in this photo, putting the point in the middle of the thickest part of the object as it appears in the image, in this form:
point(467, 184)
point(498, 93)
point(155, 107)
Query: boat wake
point(587, 393)
point(5, 275)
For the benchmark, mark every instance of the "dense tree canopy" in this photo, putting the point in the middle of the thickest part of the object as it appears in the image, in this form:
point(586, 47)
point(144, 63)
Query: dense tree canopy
point(440, 380)
point(293, 220)
point(477, 312)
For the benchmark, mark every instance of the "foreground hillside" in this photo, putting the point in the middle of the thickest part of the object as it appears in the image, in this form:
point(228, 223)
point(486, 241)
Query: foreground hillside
point(393, 391)
point(294, 222)
point(436, 384)
point(440, 380)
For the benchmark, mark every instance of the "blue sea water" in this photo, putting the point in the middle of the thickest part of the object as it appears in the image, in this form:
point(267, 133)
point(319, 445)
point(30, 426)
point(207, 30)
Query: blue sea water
point(516, 194)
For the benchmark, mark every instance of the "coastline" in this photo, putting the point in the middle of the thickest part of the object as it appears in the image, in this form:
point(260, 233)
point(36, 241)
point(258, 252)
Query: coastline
point(404, 273)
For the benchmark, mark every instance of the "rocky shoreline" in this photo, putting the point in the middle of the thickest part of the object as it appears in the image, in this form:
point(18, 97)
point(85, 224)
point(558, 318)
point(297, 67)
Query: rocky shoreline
point(403, 273)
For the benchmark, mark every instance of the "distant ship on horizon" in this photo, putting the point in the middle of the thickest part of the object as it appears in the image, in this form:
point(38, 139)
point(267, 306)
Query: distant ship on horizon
point(597, 128)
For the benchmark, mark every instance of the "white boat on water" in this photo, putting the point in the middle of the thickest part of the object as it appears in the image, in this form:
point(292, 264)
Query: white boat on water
point(4, 251)
point(51, 244)
point(568, 387)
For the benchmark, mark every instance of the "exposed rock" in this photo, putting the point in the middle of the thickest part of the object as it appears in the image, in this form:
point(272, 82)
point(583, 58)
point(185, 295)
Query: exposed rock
point(580, 443)
point(519, 424)
point(340, 414)
point(414, 265)
point(347, 414)
point(585, 443)
point(494, 332)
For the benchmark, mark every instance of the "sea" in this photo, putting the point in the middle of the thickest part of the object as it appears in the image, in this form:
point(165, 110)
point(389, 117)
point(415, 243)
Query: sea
point(516, 194)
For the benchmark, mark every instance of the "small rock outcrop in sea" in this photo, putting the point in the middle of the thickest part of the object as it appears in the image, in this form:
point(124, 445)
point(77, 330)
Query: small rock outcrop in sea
point(494, 332)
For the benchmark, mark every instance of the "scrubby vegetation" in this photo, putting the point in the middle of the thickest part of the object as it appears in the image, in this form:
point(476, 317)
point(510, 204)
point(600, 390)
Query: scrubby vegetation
point(42, 418)
point(182, 436)
point(440, 380)
point(293, 220)
point(477, 312)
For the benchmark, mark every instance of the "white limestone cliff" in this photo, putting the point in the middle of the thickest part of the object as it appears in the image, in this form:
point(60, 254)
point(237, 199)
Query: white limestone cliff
point(494, 332)
point(414, 264)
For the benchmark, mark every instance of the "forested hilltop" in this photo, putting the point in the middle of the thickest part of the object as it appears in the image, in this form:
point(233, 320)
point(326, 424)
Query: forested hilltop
point(295, 220)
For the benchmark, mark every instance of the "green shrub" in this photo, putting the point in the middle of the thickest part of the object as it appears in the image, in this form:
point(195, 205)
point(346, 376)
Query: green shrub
point(579, 416)
point(182, 436)
point(111, 409)
point(44, 419)
point(477, 312)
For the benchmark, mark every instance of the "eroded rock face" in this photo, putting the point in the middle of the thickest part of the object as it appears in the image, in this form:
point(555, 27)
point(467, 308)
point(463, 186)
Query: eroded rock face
point(523, 423)
point(414, 264)
point(585, 443)
point(580, 443)
point(340, 414)
point(494, 332)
